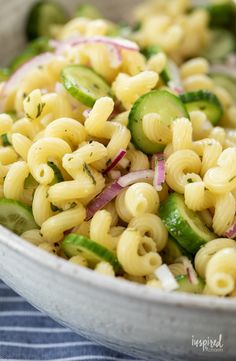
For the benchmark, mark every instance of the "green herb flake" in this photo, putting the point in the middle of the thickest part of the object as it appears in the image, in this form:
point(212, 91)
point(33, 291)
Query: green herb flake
point(28, 116)
point(40, 109)
point(5, 140)
point(89, 173)
point(189, 180)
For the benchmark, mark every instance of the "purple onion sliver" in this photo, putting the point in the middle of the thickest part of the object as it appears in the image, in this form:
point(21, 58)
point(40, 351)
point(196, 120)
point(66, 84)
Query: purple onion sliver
point(19, 74)
point(231, 232)
point(136, 176)
point(159, 171)
point(86, 113)
point(115, 161)
point(106, 196)
point(120, 43)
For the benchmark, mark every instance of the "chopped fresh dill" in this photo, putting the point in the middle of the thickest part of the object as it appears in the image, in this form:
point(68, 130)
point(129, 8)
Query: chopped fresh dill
point(89, 173)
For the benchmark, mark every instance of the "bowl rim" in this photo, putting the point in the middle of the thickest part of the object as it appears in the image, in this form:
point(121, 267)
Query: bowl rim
point(109, 284)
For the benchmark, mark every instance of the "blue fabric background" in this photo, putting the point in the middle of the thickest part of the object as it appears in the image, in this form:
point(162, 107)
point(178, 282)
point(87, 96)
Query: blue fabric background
point(27, 334)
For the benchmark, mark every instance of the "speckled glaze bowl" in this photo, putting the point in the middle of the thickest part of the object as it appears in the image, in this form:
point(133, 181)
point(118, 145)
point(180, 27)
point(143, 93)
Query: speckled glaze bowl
point(134, 319)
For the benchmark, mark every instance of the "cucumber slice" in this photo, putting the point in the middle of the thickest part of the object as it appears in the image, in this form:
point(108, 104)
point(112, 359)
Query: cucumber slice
point(5, 140)
point(183, 224)
point(84, 84)
point(57, 173)
point(225, 79)
point(4, 74)
point(222, 14)
point(75, 244)
point(205, 101)
point(42, 15)
point(151, 50)
point(172, 251)
point(186, 286)
point(88, 11)
point(16, 216)
point(221, 45)
point(167, 105)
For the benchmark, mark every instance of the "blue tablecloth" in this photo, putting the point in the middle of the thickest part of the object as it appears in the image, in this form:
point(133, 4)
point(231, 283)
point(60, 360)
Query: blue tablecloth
point(27, 334)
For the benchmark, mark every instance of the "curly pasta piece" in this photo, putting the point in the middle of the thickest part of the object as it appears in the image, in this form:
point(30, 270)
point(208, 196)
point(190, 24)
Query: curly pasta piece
point(180, 163)
point(138, 160)
point(225, 208)
point(194, 67)
point(8, 155)
point(127, 89)
point(221, 272)
point(21, 145)
point(33, 236)
point(54, 227)
point(210, 150)
point(39, 154)
point(197, 197)
point(181, 134)
point(150, 225)
point(98, 126)
point(155, 129)
point(111, 208)
point(3, 172)
point(201, 125)
point(132, 62)
point(95, 124)
point(129, 258)
point(138, 199)
point(205, 253)
point(6, 123)
point(41, 205)
point(100, 230)
point(197, 82)
point(67, 129)
point(222, 178)
point(25, 127)
point(157, 62)
point(14, 181)
point(87, 182)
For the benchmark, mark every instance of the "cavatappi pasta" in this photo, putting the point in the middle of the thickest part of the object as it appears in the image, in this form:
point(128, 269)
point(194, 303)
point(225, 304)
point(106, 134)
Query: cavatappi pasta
point(118, 149)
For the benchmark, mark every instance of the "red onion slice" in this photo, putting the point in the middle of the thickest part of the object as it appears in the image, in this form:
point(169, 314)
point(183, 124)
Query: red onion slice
point(158, 161)
point(15, 79)
point(231, 232)
point(117, 42)
point(134, 177)
point(107, 195)
point(111, 191)
point(191, 273)
point(116, 160)
point(86, 113)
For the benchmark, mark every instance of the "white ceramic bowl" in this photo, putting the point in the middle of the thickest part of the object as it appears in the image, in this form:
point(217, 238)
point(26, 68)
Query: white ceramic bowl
point(127, 317)
point(124, 316)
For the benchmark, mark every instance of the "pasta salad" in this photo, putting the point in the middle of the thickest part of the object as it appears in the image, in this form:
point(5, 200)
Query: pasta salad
point(118, 143)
